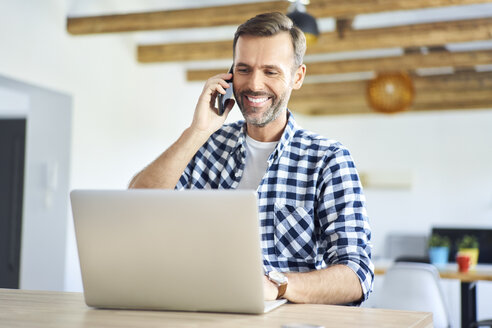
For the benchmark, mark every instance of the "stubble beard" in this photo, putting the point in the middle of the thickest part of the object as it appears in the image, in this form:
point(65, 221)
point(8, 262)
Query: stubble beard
point(270, 114)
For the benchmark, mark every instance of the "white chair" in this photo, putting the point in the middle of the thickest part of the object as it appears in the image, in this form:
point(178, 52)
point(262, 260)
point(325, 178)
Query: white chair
point(414, 287)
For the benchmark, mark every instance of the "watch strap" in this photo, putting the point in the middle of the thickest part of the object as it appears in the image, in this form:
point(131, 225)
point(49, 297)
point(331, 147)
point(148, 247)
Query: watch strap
point(282, 288)
point(280, 283)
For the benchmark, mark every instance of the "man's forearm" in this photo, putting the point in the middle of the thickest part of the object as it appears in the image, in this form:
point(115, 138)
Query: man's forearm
point(165, 171)
point(337, 284)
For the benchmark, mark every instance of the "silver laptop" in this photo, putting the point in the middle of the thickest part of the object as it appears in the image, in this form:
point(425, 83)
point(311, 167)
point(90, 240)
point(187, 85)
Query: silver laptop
point(193, 250)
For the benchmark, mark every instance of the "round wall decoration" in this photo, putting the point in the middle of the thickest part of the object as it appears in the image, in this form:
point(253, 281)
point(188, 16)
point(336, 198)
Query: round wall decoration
point(390, 92)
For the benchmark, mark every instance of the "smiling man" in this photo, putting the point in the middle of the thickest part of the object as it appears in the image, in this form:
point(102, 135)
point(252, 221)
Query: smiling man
point(314, 228)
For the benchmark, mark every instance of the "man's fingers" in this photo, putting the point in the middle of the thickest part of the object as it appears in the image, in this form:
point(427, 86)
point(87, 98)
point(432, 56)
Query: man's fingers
point(221, 80)
point(220, 89)
point(215, 86)
point(226, 76)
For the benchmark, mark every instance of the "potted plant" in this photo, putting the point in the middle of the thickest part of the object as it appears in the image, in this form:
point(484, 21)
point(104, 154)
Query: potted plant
point(439, 249)
point(469, 245)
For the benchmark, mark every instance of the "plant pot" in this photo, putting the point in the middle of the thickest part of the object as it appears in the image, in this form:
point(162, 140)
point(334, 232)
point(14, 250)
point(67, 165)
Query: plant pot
point(438, 255)
point(473, 252)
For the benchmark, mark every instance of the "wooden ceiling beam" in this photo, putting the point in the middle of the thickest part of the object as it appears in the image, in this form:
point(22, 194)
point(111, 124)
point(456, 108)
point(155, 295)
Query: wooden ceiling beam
point(238, 13)
point(184, 51)
point(440, 92)
point(325, 109)
point(172, 19)
point(406, 62)
point(417, 35)
point(434, 83)
point(349, 8)
point(343, 106)
point(460, 81)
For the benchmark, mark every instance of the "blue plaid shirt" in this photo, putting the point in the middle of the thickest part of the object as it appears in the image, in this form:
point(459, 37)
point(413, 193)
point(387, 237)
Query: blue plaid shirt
point(311, 206)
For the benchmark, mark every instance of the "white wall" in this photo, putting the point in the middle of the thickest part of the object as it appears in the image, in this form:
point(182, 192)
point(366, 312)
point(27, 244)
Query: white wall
point(125, 114)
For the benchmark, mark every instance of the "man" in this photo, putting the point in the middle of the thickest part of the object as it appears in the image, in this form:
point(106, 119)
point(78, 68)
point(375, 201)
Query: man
point(314, 227)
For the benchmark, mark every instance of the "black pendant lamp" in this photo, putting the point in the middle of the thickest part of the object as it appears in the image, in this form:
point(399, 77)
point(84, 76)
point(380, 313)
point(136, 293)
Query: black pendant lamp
point(306, 22)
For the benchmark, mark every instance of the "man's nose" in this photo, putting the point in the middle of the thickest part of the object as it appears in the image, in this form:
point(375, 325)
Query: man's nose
point(256, 82)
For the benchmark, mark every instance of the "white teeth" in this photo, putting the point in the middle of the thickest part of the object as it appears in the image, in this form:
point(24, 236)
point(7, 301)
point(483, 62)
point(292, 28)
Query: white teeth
point(257, 100)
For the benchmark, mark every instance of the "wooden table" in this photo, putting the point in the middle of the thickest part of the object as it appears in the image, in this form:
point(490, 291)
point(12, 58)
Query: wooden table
point(468, 285)
point(449, 271)
point(20, 308)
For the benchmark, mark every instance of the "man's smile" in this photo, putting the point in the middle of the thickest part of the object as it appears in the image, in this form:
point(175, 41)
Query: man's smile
point(256, 100)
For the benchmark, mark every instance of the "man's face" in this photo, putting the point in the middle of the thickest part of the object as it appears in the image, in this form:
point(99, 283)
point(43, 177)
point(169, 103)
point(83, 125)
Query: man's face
point(264, 76)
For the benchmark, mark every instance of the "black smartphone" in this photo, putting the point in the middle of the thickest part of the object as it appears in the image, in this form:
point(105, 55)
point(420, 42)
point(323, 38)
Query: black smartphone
point(228, 95)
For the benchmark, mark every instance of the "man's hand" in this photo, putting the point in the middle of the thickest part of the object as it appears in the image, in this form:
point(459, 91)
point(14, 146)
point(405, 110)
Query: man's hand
point(270, 290)
point(206, 119)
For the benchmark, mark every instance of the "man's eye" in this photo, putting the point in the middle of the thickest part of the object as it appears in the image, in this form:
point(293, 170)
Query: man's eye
point(271, 73)
point(242, 70)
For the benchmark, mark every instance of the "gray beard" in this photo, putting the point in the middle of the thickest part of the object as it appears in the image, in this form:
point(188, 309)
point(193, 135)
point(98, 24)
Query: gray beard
point(271, 113)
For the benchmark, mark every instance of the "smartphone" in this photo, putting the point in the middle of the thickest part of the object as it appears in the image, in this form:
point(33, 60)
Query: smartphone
point(228, 95)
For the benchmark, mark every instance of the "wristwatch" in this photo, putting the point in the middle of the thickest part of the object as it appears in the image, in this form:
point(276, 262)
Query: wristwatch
point(280, 280)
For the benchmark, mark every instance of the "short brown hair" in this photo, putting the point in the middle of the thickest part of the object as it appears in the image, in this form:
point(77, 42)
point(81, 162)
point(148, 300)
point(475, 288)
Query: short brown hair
point(270, 24)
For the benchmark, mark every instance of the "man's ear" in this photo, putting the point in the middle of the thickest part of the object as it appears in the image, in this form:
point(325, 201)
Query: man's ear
point(299, 77)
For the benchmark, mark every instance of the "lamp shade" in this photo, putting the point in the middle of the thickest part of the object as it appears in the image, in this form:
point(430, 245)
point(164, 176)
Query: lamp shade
point(306, 23)
point(390, 92)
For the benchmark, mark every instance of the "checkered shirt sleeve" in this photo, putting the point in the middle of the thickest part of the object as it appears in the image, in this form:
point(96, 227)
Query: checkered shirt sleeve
point(311, 205)
point(345, 232)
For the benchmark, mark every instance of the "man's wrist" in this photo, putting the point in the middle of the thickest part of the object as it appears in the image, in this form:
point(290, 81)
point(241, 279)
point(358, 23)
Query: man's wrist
point(202, 133)
point(197, 136)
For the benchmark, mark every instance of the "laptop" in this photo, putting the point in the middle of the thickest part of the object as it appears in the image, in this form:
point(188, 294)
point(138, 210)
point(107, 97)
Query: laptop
point(192, 250)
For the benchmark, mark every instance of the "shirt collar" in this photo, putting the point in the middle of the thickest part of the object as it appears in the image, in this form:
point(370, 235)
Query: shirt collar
point(287, 136)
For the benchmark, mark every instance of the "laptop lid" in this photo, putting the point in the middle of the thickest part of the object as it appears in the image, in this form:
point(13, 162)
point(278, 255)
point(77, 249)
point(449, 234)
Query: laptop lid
point(192, 250)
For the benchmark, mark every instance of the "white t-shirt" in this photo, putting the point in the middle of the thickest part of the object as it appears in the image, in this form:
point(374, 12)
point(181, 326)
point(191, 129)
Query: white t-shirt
point(257, 154)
